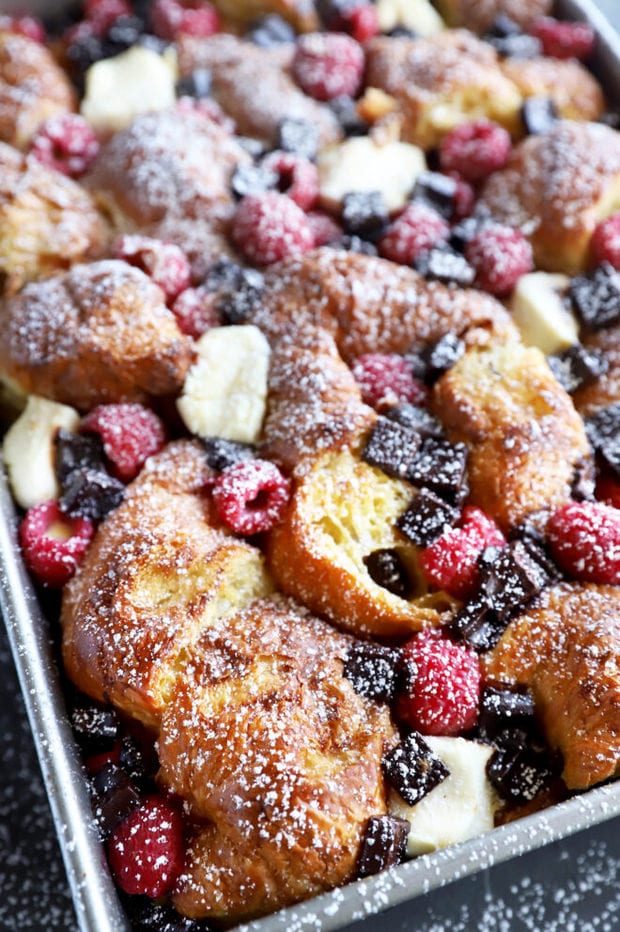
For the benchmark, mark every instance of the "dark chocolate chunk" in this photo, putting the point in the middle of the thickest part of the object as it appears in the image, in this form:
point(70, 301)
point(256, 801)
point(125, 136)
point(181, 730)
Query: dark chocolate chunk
point(345, 110)
point(584, 481)
point(401, 32)
point(131, 759)
point(157, 917)
point(462, 233)
point(114, 797)
point(197, 84)
point(298, 136)
point(271, 30)
point(519, 773)
point(383, 845)
point(222, 453)
point(478, 625)
point(254, 147)
point(76, 451)
point(364, 214)
point(522, 46)
point(417, 418)
point(373, 670)
point(596, 297)
point(446, 266)
point(356, 244)
point(442, 356)
point(436, 190)
point(413, 769)
point(333, 12)
point(253, 179)
point(512, 580)
point(603, 430)
point(391, 447)
point(503, 26)
point(124, 32)
point(504, 708)
point(239, 290)
point(153, 43)
point(426, 519)
point(538, 114)
point(441, 467)
point(386, 568)
point(578, 366)
point(91, 493)
point(95, 728)
point(610, 119)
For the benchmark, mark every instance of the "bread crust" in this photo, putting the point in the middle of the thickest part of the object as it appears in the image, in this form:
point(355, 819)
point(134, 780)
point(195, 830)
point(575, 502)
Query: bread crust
point(478, 15)
point(573, 89)
point(300, 13)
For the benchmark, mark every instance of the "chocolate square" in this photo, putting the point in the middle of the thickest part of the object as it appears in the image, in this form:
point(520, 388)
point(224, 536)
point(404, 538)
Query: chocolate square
point(596, 297)
point(426, 519)
point(413, 769)
point(437, 191)
point(446, 266)
point(383, 845)
point(386, 568)
point(441, 467)
point(512, 580)
point(373, 670)
point(391, 447)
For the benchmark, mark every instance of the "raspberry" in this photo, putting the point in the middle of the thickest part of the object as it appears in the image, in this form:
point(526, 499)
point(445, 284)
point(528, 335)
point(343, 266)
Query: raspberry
point(564, 40)
point(443, 698)
point(605, 242)
point(146, 851)
point(387, 379)
point(418, 229)
point(500, 256)
point(28, 26)
point(53, 544)
point(362, 22)
point(130, 433)
point(324, 228)
point(585, 541)
point(450, 563)
point(328, 65)
point(195, 311)
point(269, 227)
point(608, 491)
point(474, 150)
point(251, 496)
point(165, 263)
point(298, 177)
point(171, 18)
point(66, 143)
point(464, 198)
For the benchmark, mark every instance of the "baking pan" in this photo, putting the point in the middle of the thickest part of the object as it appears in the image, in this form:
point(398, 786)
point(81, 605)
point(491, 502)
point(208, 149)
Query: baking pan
point(97, 905)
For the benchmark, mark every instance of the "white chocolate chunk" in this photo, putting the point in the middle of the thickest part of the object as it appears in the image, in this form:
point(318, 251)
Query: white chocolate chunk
point(417, 15)
point(119, 89)
point(360, 164)
point(540, 313)
point(225, 391)
point(28, 450)
point(460, 808)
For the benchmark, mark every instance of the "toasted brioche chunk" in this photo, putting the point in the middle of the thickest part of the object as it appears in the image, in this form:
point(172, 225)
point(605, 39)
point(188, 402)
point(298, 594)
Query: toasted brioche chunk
point(301, 14)
point(269, 742)
point(573, 89)
point(566, 649)
point(523, 433)
point(478, 15)
point(342, 511)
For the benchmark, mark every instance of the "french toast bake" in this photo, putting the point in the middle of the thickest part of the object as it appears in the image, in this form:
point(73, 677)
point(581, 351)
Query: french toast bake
point(316, 359)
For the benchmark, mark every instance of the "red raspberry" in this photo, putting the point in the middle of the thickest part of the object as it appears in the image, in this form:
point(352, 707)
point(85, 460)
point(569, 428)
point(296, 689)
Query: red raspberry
point(195, 311)
point(451, 562)
point(28, 26)
point(298, 177)
point(564, 40)
point(324, 228)
point(66, 143)
point(130, 433)
point(362, 22)
point(418, 228)
point(251, 496)
point(444, 695)
point(328, 65)
point(605, 242)
point(500, 255)
point(585, 541)
point(53, 544)
point(171, 18)
point(464, 199)
point(608, 491)
point(146, 851)
point(474, 150)
point(207, 108)
point(387, 379)
point(165, 263)
point(269, 227)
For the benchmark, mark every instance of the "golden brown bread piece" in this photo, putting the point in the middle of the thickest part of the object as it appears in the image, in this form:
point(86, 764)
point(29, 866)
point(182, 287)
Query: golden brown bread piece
point(270, 743)
point(566, 648)
point(254, 86)
point(478, 15)
point(556, 188)
point(300, 13)
point(98, 333)
point(524, 436)
point(342, 510)
point(47, 221)
point(606, 389)
point(572, 88)
point(372, 305)
point(32, 88)
point(442, 81)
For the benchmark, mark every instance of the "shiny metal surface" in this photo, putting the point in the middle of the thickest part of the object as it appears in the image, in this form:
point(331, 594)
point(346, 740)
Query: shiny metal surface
point(97, 905)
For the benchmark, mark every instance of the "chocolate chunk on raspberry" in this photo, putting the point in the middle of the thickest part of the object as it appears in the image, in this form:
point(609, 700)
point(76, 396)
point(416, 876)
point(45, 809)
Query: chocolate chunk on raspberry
point(373, 670)
point(437, 191)
point(413, 769)
point(426, 518)
point(391, 447)
point(502, 708)
point(386, 568)
point(416, 418)
point(222, 453)
point(442, 355)
point(603, 430)
point(538, 114)
point(299, 137)
point(578, 366)
point(596, 297)
point(364, 214)
point(91, 493)
point(441, 467)
point(383, 845)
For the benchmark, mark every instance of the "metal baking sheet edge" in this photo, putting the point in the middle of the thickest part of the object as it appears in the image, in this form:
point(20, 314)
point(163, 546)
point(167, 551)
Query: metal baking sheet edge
point(97, 905)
